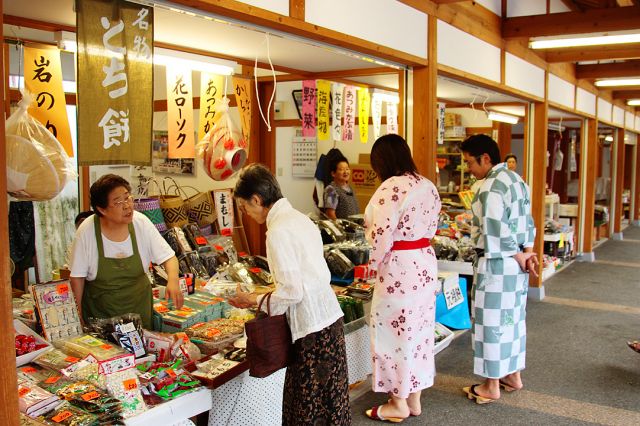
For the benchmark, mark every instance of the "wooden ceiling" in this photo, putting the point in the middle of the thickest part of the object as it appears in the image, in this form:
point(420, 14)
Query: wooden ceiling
point(588, 17)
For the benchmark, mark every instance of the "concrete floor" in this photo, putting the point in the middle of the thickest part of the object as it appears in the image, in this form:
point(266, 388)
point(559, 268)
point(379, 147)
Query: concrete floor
point(579, 368)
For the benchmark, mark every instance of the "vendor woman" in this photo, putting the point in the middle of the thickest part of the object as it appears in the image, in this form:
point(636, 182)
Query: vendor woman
point(111, 254)
point(339, 199)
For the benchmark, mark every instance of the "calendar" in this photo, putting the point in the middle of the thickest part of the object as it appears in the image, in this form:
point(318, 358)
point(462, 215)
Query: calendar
point(304, 157)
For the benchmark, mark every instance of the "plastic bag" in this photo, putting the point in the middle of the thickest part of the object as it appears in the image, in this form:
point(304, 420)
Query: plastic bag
point(38, 168)
point(223, 150)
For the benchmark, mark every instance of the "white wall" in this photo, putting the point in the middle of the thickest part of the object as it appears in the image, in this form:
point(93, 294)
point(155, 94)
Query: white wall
point(561, 91)
point(585, 101)
point(472, 117)
point(604, 110)
point(493, 5)
point(629, 120)
point(618, 116)
point(524, 76)
point(276, 6)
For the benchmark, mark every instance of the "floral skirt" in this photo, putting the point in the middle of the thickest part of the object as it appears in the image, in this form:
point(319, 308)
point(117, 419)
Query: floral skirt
point(316, 388)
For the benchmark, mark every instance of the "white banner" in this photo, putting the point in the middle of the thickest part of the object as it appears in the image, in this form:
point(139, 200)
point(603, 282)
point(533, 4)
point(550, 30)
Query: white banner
point(376, 115)
point(337, 90)
point(224, 207)
point(392, 118)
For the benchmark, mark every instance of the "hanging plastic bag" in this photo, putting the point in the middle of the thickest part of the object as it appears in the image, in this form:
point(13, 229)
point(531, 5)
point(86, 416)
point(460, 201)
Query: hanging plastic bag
point(38, 168)
point(223, 150)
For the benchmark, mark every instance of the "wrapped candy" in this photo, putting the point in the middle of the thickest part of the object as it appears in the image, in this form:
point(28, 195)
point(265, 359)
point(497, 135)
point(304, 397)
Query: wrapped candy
point(223, 150)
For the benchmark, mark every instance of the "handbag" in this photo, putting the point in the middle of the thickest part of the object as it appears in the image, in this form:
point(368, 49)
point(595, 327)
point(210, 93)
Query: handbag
point(199, 207)
point(172, 206)
point(268, 341)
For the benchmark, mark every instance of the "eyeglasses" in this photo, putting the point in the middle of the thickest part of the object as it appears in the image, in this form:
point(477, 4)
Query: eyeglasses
point(121, 203)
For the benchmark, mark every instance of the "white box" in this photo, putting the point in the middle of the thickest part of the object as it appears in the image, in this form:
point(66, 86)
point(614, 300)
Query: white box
point(447, 340)
point(21, 328)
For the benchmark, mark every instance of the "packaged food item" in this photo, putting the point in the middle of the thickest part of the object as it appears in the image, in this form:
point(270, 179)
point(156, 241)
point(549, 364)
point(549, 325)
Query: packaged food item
point(124, 330)
point(166, 380)
point(87, 396)
point(33, 400)
point(339, 264)
point(124, 385)
point(195, 238)
point(57, 309)
point(68, 415)
point(81, 346)
point(213, 368)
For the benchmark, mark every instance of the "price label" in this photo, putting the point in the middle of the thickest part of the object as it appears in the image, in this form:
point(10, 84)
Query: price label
point(62, 416)
point(53, 379)
point(72, 359)
point(22, 391)
point(106, 347)
point(128, 328)
point(130, 384)
point(452, 294)
point(171, 373)
point(201, 241)
point(90, 395)
point(62, 288)
point(28, 370)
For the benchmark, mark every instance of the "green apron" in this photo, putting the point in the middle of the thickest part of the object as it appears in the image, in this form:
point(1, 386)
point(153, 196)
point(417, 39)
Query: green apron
point(121, 286)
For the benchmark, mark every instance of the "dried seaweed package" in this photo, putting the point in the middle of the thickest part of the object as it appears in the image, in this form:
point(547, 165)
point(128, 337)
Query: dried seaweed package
point(124, 330)
point(195, 238)
point(92, 400)
point(195, 265)
point(210, 262)
point(338, 263)
point(69, 415)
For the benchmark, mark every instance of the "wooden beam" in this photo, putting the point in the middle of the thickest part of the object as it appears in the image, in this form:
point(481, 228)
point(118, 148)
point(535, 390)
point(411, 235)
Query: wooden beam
point(402, 112)
point(619, 183)
point(588, 145)
point(612, 70)
point(570, 4)
point(262, 17)
point(37, 25)
point(358, 72)
point(296, 9)
point(626, 94)
point(580, 22)
point(635, 215)
point(538, 181)
point(594, 53)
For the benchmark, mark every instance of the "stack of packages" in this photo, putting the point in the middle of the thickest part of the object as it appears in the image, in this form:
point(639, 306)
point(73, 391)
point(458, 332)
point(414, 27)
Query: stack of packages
point(452, 241)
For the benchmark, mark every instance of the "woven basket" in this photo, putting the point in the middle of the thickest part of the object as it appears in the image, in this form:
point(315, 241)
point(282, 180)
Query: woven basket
point(199, 207)
point(173, 207)
point(150, 207)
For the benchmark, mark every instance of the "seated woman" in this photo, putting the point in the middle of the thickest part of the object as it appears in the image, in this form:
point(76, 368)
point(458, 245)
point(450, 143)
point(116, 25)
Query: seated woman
point(339, 199)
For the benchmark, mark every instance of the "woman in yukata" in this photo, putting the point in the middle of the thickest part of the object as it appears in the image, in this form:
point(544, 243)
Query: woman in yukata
point(400, 220)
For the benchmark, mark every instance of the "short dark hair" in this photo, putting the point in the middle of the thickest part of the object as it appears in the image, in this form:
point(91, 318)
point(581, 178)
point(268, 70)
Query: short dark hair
point(477, 145)
point(391, 156)
point(331, 156)
point(82, 216)
point(100, 190)
point(333, 163)
point(256, 179)
point(510, 155)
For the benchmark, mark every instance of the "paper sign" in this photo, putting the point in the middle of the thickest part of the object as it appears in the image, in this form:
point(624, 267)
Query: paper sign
point(392, 118)
point(364, 102)
point(309, 108)
point(376, 115)
point(211, 91)
point(452, 294)
point(242, 88)
point(337, 95)
point(349, 113)
point(324, 91)
point(43, 78)
point(180, 113)
point(224, 207)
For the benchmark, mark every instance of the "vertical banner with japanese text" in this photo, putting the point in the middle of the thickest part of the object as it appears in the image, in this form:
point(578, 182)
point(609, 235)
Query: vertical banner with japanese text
point(43, 78)
point(211, 91)
point(115, 42)
point(224, 208)
point(349, 113)
point(392, 117)
point(180, 113)
point(242, 89)
point(324, 91)
point(364, 102)
point(337, 92)
point(308, 108)
point(376, 115)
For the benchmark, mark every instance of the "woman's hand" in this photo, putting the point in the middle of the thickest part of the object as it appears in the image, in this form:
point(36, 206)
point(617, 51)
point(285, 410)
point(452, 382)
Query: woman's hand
point(174, 293)
point(528, 262)
point(243, 299)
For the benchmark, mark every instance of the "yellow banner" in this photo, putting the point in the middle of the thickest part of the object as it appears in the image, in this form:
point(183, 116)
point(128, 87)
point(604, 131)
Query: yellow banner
point(242, 89)
point(211, 91)
point(180, 113)
point(324, 90)
point(43, 78)
point(115, 82)
point(364, 102)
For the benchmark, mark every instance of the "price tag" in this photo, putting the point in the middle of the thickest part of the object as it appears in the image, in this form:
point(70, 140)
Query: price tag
point(130, 384)
point(62, 288)
point(127, 328)
point(62, 416)
point(171, 373)
point(53, 379)
point(90, 395)
point(23, 391)
point(201, 241)
point(72, 359)
point(106, 347)
point(28, 370)
point(452, 294)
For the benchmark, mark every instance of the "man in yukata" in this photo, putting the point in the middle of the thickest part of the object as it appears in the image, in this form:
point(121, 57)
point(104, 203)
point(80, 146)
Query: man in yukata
point(503, 233)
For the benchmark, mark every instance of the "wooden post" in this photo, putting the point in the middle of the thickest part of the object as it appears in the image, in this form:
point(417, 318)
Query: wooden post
point(401, 105)
point(619, 183)
point(425, 125)
point(635, 215)
point(8, 383)
point(504, 138)
point(587, 195)
point(538, 180)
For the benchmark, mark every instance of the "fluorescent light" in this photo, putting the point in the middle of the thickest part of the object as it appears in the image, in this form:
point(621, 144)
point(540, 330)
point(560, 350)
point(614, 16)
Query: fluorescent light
point(608, 138)
point(579, 41)
point(633, 102)
point(168, 57)
point(611, 82)
point(499, 116)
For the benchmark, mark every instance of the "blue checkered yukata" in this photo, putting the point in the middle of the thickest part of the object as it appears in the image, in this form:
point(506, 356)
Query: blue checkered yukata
point(502, 226)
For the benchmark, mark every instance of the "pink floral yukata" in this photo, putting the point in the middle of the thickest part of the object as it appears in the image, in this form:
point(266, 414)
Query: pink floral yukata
point(404, 208)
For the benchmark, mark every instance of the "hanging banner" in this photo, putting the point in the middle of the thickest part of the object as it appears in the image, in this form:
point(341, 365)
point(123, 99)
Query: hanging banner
point(364, 102)
point(224, 207)
point(211, 91)
point(337, 93)
point(392, 117)
point(324, 91)
point(180, 113)
point(349, 113)
point(308, 108)
point(376, 115)
point(115, 40)
point(242, 89)
point(43, 78)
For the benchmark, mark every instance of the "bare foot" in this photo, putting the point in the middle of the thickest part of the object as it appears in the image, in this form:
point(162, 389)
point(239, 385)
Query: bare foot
point(413, 402)
point(485, 391)
point(513, 380)
point(394, 409)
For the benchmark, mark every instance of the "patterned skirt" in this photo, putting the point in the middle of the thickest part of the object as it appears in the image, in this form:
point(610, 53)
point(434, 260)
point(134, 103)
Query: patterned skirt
point(316, 388)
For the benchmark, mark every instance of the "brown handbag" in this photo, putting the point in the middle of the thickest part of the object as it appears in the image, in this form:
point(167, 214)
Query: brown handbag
point(268, 342)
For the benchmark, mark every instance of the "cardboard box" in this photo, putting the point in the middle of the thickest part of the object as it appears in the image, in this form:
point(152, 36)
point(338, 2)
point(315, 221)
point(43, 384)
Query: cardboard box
point(455, 132)
point(451, 119)
point(364, 158)
point(363, 178)
point(363, 199)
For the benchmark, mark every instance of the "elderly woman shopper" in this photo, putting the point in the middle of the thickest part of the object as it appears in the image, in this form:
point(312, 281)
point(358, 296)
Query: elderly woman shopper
point(111, 253)
point(316, 387)
point(400, 220)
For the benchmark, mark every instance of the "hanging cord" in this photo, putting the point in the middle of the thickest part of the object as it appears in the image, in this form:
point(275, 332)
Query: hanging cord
point(484, 107)
point(267, 120)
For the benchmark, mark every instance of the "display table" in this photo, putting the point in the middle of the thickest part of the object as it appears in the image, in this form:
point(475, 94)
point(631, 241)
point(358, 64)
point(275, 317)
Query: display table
point(463, 268)
point(557, 238)
point(174, 412)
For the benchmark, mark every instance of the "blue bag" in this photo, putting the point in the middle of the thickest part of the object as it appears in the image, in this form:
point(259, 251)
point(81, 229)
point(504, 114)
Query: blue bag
point(458, 317)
